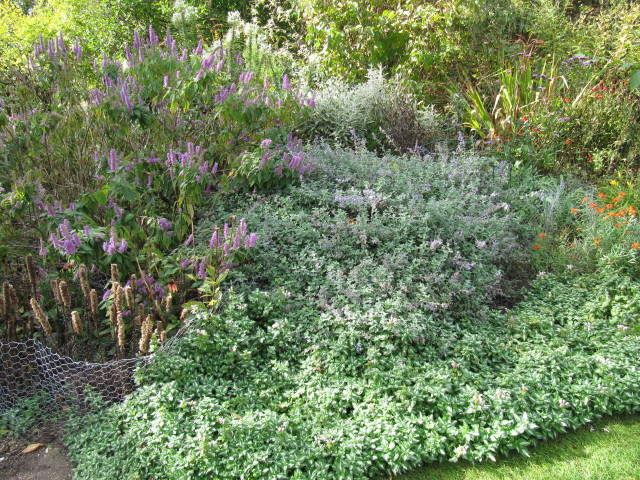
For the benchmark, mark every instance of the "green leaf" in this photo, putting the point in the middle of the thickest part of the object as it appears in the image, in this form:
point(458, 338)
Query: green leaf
point(634, 81)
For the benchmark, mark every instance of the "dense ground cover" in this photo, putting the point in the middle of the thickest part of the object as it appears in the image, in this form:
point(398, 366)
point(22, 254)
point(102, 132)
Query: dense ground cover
point(368, 282)
point(359, 340)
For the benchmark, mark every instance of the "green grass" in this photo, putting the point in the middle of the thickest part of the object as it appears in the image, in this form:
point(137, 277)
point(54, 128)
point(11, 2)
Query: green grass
point(608, 450)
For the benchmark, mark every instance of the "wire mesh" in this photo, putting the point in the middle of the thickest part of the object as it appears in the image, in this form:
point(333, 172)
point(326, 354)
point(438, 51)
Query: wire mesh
point(31, 369)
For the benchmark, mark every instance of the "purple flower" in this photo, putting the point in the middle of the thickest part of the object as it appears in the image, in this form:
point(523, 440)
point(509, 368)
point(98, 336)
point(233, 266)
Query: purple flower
point(164, 224)
point(189, 240)
point(250, 241)
point(286, 85)
point(225, 249)
point(242, 226)
point(236, 240)
point(106, 295)
point(202, 271)
point(213, 243)
point(113, 161)
point(266, 142)
point(226, 230)
point(123, 246)
point(185, 264)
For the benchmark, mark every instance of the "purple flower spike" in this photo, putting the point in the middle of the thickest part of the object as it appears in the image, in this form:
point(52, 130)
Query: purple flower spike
point(242, 226)
point(250, 241)
point(266, 142)
point(226, 231)
point(225, 249)
point(286, 85)
point(213, 243)
point(189, 240)
point(202, 271)
point(265, 85)
point(185, 264)
point(215, 168)
point(123, 246)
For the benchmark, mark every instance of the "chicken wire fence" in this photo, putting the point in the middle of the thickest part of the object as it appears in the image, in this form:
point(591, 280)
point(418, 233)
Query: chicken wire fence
point(33, 370)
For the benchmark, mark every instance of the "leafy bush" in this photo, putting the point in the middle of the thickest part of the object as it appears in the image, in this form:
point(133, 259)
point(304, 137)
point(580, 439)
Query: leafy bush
point(377, 112)
point(358, 341)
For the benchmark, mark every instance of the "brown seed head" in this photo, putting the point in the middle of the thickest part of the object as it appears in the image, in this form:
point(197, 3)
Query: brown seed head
point(133, 282)
point(115, 275)
point(76, 323)
point(183, 314)
point(145, 335)
point(113, 315)
point(93, 301)
point(41, 317)
point(117, 295)
point(83, 276)
point(128, 295)
point(120, 323)
point(168, 303)
point(55, 289)
point(31, 272)
point(64, 294)
point(5, 305)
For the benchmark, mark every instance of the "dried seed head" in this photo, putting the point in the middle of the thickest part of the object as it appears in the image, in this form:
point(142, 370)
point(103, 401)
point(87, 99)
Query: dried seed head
point(14, 300)
point(183, 314)
point(232, 220)
point(115, 275)
point(41, 317)
point(55, 289)
point(5, 305)
point(83, 276)
point(145, 335)
point(140, 317)
point(64, 294)
point(31, 272)
point(76, 323)
point(93, 301)
point(117, 294)
point(160, 332)
point(133, 282)
point(128, 295)
point(113, 315)
point(120, 323)
point(168, 303)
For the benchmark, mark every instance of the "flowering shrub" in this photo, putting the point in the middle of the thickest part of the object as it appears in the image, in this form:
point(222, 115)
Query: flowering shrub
point(113, 171)
point(359, 342)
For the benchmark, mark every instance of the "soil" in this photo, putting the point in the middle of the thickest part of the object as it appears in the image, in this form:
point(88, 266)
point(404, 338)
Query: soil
point(48, 462)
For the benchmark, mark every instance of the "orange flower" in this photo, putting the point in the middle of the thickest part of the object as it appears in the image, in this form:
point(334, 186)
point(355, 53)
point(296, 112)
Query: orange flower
point(578, 229)
point(536, 246)
point(574, 210)
point(602, 195)
point(352, 220)
point(632, 211)
point(597, 240)
point(599, 97)
point(635, 245)
point(585, 200)
point(617, 225)
point(593, 204)
point(609, 205)
point(616, 199)
point(568, 141)
point(571, 245)
point(565, 100)
point(622, 194)
point(542, 235)
point(599, 210)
